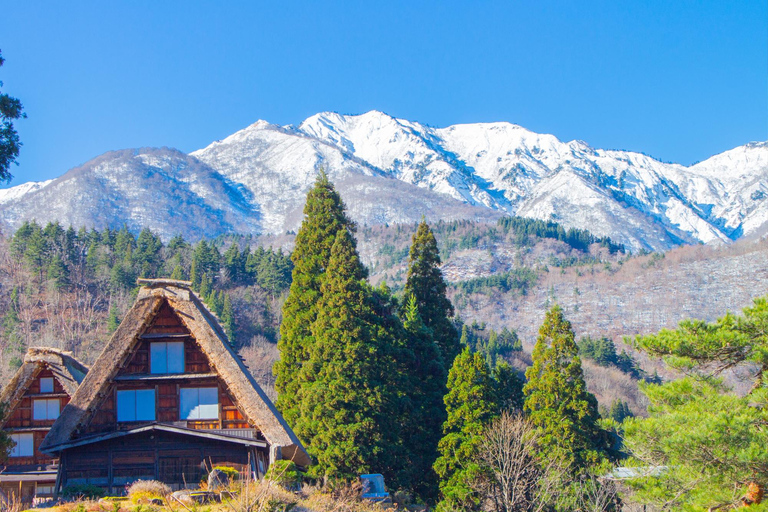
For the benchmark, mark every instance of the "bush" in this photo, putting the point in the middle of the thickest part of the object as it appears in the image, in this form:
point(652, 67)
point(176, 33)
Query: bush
point(284, 473)
point(144, 491)
point(82, 491)
point(231, 473)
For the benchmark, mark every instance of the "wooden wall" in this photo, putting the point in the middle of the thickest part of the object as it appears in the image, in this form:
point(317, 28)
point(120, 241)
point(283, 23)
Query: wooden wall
point(21, 419)
point(176, 459)
point(136, 375)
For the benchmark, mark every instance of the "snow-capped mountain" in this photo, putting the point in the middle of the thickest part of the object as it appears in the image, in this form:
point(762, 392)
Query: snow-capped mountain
point(393, 170)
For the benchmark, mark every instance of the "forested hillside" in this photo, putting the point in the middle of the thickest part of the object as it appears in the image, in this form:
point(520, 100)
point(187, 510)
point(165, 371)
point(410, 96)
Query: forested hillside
point(68, 288)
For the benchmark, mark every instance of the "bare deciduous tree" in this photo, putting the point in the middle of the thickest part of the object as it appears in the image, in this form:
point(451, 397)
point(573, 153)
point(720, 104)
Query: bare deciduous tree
point(519, 481)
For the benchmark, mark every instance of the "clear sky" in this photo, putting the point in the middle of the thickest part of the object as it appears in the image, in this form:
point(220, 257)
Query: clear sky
point(679, 80)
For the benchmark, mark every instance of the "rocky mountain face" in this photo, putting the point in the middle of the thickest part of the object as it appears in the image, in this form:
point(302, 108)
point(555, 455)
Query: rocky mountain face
point(392, 170)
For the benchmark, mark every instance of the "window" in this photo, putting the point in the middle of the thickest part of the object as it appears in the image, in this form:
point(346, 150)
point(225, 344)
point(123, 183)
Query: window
point(136, 405)
point(199, 403)
point(46, 384)
point(166, 357)
point(44, 490)
point(25, 445)
point(47, 409)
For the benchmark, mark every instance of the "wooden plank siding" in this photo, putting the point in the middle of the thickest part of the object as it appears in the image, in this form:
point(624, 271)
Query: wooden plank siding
point(176, 459)
point(136, 375)
point(21, 420)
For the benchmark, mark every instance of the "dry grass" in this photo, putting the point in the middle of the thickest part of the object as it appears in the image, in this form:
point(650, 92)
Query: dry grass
point(249, 497)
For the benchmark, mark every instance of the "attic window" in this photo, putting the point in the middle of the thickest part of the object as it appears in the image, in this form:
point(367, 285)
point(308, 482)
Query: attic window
point(166, 357)
point(46, 384)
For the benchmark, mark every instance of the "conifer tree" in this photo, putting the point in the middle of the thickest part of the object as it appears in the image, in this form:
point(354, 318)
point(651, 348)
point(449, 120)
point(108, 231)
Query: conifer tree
point(470, 405)
point(346, 407)
point(557, 400)
point(425, 282)
point(324, 218)
point(422, 429)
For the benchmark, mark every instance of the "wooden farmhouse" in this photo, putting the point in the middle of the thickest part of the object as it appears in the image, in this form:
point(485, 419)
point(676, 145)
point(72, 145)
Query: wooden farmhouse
point(33, 399)
point(168, 399)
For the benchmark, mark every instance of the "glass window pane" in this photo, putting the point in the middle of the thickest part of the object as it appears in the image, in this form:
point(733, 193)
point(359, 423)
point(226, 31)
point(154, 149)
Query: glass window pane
point(175, 357)
point(209, 403)
point(24, 445)
point(189, 398)
point(158, 357)
point(46, 385)
point(126, 406)
point(53, 408)
point(40, 409)
point(145, 404)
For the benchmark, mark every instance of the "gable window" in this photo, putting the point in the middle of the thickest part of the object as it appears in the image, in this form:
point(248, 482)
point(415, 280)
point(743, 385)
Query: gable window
point(47, 409)
point(166, 357)
point(46, 384)
point(136, 405)
point(199, 403)
point(24, 447)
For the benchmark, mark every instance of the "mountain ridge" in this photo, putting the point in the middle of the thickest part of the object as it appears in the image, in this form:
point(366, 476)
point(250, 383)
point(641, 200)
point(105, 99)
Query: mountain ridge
point(392, 170)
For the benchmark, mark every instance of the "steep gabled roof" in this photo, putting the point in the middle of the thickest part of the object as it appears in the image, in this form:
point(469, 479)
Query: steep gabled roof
point(66, 369)
point(208, 333)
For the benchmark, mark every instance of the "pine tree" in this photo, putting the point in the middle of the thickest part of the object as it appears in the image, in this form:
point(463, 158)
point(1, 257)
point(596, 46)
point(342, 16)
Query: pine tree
point(470, 405)
point(422, 429)
point(425, 282)
point(324, 218)
point(557, 400)
point(228, 318)
point(346, 410)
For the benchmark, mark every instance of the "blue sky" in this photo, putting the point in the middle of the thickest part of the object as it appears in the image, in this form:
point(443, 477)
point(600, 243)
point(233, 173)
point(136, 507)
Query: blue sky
point(679, 80)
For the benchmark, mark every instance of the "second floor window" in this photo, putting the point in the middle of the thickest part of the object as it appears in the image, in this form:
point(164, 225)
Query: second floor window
point(199, 403)
point(24, 447)
point(47, 409)
point(136, 405)
point(166, 357)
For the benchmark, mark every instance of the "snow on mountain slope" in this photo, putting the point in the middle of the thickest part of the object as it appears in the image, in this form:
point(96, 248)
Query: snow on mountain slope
point(506, 167)
point(394, 170)
point(8, 195)
point(278, 165)
point(162, 189)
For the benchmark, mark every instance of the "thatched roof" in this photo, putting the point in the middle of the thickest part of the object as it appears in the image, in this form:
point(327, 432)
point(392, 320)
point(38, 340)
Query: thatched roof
point(208, 333)
point(66, 369)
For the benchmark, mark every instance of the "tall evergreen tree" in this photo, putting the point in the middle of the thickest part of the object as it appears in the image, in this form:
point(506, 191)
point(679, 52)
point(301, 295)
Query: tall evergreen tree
point(557, 400)
point(470, 405)
point(324, 218)
point(422, 429)
point(425, 282)
point(347, 402)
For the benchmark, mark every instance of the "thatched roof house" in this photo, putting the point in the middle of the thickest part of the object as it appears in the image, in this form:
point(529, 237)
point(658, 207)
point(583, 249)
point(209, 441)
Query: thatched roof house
point(168, 374)
point(33, 398)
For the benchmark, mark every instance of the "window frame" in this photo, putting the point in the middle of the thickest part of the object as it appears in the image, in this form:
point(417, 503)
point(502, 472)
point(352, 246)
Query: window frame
point(48, 402)
point(199, 407)
point(134, 417)
point(153, 345)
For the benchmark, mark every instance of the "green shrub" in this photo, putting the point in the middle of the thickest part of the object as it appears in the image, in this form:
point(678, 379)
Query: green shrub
point(231, 473)
point(82, 491)
point(285, 473)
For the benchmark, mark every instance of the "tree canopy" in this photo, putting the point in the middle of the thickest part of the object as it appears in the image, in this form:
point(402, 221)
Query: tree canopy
point(705, 446)
point(557, 400)
point(11, 110)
